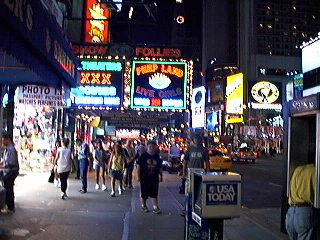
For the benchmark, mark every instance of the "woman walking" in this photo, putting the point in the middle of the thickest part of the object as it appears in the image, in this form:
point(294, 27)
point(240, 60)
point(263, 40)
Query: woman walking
point(99, 165)
point(116, 168)
point(63, 162)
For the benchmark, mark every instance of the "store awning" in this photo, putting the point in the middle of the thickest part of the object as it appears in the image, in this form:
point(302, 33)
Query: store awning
point(33, 48)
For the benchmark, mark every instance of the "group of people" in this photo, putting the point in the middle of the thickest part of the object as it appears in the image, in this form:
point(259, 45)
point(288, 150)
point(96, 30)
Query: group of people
point(116, 160)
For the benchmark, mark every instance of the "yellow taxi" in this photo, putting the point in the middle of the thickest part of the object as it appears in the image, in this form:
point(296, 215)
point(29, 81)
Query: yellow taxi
point(218, 160)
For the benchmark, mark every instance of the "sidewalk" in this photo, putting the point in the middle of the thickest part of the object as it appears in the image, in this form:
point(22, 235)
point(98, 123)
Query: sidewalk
point(41, 214)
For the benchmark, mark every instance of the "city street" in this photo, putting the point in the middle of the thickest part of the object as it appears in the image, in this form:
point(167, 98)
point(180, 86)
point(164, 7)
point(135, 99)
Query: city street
point(41, 214)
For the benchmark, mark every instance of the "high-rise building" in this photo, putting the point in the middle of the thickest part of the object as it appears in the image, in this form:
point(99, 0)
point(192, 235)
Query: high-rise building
point(262, 38)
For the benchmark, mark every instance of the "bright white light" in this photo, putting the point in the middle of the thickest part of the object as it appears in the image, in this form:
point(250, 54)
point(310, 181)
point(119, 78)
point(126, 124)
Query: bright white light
point(130, 12)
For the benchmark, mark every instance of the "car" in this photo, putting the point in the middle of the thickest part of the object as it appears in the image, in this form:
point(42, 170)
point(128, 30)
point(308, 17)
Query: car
point(218, 160)
point(246, 154)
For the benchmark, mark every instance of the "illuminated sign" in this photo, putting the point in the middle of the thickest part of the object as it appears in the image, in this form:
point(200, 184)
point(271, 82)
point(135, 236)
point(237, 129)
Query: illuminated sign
point(101, 84)
point(128, 133)
point(265, 92)
point(97, 25)
point(265, 95)
point(198, 107)
point(158, 85)
point(234, 94)
point(91, 50)
point(40, 96)
point(158, 52)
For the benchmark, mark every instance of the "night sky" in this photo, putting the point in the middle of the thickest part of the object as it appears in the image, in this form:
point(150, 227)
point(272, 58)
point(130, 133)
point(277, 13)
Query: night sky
point(142, 29)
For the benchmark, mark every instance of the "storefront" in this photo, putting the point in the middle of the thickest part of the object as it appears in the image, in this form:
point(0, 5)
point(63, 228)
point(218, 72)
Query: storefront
point(34, 55)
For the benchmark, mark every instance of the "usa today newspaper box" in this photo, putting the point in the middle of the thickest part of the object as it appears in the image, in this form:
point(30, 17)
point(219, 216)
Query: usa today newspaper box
point(216, 195)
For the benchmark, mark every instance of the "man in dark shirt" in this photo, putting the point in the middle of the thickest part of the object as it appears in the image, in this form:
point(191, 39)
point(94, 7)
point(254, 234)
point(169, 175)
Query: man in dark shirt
point(149, 168)
point(10, 170)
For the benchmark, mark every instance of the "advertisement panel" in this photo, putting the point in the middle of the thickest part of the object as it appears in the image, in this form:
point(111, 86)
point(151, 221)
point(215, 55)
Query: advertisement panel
point(40, 96)
point(101, 84)
point(198, 107)
point(213, 120)
point(265, 95)
point(311, 57)
point(158, 85)
point(96, 27)
point(234, 94)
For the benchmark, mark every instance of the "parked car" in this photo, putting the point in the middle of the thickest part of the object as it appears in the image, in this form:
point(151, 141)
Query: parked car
point(244, 153)
point(218, 160)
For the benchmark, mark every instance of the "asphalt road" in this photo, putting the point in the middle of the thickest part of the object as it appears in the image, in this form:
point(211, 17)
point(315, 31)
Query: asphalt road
point(261, 181)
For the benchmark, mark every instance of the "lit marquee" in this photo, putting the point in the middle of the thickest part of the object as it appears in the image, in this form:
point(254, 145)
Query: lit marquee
point(101, 84)
point(159, 85)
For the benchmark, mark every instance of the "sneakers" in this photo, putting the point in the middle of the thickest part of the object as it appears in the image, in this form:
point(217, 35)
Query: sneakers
point(104, 187)
point(120, 190)
point(112, 194)
point(63, 196)
point(157, 210)
point(97, 187)
point(82, 191)
point(145, 209)
point(6, 211)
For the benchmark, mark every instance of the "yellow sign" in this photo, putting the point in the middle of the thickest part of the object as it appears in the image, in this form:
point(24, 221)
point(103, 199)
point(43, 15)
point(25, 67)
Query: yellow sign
point(234, 94)
point(265, 92)
point(234, 118)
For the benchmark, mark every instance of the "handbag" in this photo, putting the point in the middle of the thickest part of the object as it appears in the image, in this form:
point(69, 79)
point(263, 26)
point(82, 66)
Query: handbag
point(51, 177)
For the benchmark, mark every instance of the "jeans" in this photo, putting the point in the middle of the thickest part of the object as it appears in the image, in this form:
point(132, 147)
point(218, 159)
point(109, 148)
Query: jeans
point(84, 165)
point(128, 176)
point(300, 223)
point(64, 181)
point(8, 183)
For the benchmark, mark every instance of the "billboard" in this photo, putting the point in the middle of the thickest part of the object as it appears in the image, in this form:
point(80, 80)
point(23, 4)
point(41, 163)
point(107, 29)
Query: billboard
point(96, 27)
point(101, 84)
point(212, 121)
point(198, 107)
point(158, 85)
point(234, 94)
point(265, 95)
point(311, 57)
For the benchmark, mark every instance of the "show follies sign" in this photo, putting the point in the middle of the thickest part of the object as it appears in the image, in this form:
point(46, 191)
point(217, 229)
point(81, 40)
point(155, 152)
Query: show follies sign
point(97, 23)
point(158, 85)
point(101, 84)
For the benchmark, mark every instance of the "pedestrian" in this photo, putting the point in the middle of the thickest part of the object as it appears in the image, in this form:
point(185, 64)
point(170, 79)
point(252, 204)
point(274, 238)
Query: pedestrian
point(83, 153)
point(300, 217)
point(149, 168)
point(100, 159)
point(10, 169)
point(63, 161)
point(116, 167)
point(130, 158)
point(196, 156)
point(54, 151)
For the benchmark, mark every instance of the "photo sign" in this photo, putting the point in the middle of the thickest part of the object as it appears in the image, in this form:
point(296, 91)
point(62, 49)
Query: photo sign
point(159, 85)
point(101, 84)
point(37, 95)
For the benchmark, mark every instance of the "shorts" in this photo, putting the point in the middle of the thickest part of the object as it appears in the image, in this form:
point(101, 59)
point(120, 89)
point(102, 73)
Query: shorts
point(97, 165)
point(149, 188)
point(116, 174)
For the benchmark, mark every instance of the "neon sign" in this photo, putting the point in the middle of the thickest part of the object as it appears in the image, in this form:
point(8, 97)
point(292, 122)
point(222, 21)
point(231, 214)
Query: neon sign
point(101, 65)
point(97, 28)
point(101, 84)
point(158, 85)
